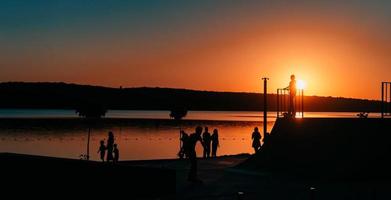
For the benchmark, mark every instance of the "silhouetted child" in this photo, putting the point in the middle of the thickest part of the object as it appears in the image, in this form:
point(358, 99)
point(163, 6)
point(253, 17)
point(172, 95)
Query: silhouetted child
point(215, 142)
point(256, 136)
point(102, 150)
point(116, 153)
point(206, 138)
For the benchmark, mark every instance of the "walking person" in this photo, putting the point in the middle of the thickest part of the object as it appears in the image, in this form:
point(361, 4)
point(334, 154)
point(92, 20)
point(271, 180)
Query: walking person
point(215, 142)
point(192, 155)
point(102, 150)
point(110, 147)
point(256, 137)
point(206, 138)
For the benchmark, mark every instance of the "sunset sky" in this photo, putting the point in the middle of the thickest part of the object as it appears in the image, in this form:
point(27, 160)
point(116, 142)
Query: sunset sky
point(339, 48)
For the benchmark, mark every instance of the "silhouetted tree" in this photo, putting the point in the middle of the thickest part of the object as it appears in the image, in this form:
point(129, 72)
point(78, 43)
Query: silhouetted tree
point(178, 113)
point(91, 113)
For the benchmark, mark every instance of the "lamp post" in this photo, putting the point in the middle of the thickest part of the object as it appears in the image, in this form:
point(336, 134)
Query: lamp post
point(265, 79)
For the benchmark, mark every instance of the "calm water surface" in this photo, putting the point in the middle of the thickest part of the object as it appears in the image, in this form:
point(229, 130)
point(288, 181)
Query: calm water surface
point(144, 139)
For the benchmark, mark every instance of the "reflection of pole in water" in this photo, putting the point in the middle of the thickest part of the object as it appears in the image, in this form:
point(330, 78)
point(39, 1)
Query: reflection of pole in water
point(265, 105)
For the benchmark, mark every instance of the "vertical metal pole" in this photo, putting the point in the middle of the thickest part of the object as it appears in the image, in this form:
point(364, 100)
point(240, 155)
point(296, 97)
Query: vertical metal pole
point(382, 100)
point(180, 143)
point(278, 103)
point(295, 104)
point(265, 104)
point(283, 102)
point(389, 99)
point(302, 103)
point(88, 143)
point(283, 99)
point(386, 100)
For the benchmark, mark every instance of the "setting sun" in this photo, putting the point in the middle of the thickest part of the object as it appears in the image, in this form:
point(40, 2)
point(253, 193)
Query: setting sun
point(300, 84)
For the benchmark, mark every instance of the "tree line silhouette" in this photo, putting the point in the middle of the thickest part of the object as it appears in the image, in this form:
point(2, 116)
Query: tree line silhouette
point(73, 96)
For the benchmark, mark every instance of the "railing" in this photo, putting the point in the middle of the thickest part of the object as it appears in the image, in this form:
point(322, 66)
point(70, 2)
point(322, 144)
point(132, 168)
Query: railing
point(284, 108)
point(385, 99)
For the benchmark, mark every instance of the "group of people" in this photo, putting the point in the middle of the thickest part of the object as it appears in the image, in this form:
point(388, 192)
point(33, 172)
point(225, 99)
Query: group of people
point(188, 147)
point(210, 143)
point(207, 140)
point(111, 148)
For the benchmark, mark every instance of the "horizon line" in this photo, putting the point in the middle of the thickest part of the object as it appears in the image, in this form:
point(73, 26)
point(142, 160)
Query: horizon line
point(174, 88)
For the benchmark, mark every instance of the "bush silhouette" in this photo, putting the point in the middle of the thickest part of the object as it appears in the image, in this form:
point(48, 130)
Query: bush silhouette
point(91, 111)
point(178, 113)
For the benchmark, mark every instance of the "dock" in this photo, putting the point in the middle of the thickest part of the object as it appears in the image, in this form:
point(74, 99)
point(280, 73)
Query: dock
point(327, 148)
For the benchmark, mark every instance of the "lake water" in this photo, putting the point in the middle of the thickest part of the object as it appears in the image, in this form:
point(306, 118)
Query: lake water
point(139, 134)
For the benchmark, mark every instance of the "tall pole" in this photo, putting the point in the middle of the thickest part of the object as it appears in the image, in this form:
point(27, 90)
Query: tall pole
point(382, 100)
point(265, 104)
point(302, 103)
point(278, 103)
point(88, 143)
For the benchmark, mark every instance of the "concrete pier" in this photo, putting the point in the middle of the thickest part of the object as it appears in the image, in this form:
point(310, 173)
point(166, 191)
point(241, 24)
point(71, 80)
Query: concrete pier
point(330, 148)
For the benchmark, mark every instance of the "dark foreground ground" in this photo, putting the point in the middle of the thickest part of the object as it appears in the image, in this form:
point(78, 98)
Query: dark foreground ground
point(223, 178)
point(26, 176)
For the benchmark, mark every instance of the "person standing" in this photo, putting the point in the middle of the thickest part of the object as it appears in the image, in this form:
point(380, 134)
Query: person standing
point(110, 146)
point(215, 142)
point(116, 153)
point(182, 151)
point(292, 96)
point(256, 137)
point(102, 150)
point(206, 138)
point(192, 155)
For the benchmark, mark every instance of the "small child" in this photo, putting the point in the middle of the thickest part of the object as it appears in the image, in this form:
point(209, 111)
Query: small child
point(116, 153)
point(102, 150)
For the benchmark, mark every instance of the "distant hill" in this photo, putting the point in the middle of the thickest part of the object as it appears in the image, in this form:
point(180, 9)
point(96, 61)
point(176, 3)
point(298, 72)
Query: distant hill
point(70, 96)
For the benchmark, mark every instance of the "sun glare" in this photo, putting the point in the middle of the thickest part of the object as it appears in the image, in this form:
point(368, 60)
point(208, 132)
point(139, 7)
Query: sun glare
point(300, 84)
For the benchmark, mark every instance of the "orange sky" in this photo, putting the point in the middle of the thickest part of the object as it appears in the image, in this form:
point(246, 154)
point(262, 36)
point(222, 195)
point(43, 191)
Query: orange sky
point(337, 50)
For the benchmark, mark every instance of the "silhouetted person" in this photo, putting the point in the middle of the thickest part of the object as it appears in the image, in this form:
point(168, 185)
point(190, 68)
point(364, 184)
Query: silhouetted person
point(206, 138)
point(215, 142)
point(102, 150)
point(110, 146)
point(192, 155)
point(256, 136)
point(292, 96)
point(116, 153)
point(182, 151)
